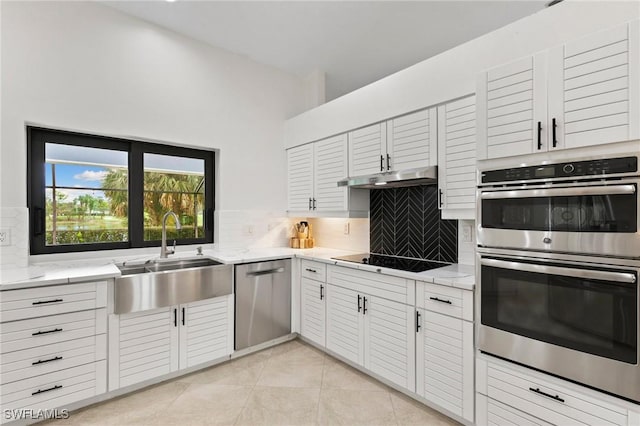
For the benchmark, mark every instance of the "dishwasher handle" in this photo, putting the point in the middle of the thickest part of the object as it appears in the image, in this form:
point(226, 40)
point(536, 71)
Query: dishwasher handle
point(267, 272)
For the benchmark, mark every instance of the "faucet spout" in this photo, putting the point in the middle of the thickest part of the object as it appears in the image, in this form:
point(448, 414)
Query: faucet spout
point(164, 252)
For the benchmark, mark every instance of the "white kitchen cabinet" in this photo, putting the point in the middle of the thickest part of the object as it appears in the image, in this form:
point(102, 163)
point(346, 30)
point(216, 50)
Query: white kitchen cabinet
point(457, 153)
point(412, 140)
point(585, 92)
point(444, 347)
point(149, 344)
point(405, 142)
point(312, 182)
point(528, 394)
point(313, 296)
point(368, 150)
point(206, 331)
point(369, 329)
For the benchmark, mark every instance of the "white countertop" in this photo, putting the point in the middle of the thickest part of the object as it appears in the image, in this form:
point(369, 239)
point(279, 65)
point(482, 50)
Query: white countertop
point(456, 275)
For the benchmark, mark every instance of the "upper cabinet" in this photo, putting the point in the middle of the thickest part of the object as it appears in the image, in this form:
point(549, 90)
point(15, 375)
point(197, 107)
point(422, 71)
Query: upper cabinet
point(457, 158)
point(312, 182)
point(582, 93)
point(368, 150)
point(405, 142)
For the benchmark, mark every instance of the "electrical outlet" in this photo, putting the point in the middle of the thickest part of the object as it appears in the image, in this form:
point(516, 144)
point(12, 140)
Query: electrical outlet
point(5, 236)
point(467, 237)
point(346, 229)
point(248, 229)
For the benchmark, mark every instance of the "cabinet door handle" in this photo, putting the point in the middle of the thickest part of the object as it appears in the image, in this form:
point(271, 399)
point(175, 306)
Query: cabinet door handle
point(539, 135)
point(42, 361)
point(381, 163)
point(46, 390)
point(321, 292)
point(553, 132)
point(311, 270)
point(55, 330)
point(418, 321)
point(175, 317)
point(538, 391)
point(314, 203)
point(42, 302)
point(183, 316)
point(388, 162)
point(309, 203)
point(359, 306)
point(364, 306)
point(440, 300)
point(440, 194)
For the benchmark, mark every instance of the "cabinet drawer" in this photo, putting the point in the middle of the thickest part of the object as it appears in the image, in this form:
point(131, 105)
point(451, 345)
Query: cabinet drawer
point(41, 360)
point(20, 335)
point(499, 414)
point(550, 402)
point(56, 389)
point(445, 300)
point(314, 270)
point(52, 300)
point(386, 286)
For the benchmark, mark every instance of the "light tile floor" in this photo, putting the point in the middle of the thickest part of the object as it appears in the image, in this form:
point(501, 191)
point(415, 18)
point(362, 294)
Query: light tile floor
point(289, 384)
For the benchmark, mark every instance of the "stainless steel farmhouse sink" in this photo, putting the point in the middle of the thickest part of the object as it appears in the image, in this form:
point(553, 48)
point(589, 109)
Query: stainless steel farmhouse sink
point(170, 282)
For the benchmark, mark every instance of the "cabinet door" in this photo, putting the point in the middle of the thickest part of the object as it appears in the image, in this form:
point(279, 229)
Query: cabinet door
point(206, 330)
point(313, 315)
point(511, 103)
point(412, 140)
point(142, 345)
point(457, 158)
point(594, 86)
point(330, 166)
point(300, 178)
point(345, 335)
point(390, 341)
point(444, 366)
point(368, 150)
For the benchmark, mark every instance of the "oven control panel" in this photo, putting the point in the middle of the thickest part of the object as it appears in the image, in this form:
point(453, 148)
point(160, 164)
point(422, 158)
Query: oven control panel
point(606, 166)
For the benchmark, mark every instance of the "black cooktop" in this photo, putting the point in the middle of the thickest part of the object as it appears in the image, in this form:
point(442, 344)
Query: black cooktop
point(402, 263)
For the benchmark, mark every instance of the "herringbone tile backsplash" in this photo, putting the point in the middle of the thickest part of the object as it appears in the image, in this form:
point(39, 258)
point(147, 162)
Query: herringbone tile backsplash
point(406, 222)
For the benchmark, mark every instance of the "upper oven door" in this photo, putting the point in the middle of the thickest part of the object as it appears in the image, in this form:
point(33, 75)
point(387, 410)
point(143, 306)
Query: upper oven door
point(590, 218)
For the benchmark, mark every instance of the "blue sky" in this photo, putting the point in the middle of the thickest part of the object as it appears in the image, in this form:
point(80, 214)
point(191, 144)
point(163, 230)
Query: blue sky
point(76, 175)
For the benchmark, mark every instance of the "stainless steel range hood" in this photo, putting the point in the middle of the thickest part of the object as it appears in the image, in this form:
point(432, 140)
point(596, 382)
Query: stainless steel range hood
point(409, 177)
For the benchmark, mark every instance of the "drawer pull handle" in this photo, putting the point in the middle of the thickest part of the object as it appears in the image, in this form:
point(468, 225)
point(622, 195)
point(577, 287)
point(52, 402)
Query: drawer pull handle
point(46, 390)
point(538, 391)
point(441, 300)
point(55, 330)
point(42, 361)
point(42, 302)
point(311, 270)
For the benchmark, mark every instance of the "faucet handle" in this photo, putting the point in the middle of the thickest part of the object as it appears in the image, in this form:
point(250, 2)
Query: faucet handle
point(199, 249)
point(174, 247)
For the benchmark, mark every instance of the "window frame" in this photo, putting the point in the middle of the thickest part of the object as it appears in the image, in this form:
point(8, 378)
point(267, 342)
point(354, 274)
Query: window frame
point(37, 137)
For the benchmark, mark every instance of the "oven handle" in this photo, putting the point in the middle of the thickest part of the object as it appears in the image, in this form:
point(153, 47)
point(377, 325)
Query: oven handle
point(621, 277)
point(560, 192)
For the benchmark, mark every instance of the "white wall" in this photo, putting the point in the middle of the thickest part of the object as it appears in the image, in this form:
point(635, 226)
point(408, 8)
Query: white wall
point(86, 67)
point(452, 74)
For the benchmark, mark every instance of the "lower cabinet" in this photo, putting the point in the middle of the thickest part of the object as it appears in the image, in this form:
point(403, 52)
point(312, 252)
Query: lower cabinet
point(444, 365)
point(373, 332)
point(524, 396)
point(149, 344)
point(312, 310)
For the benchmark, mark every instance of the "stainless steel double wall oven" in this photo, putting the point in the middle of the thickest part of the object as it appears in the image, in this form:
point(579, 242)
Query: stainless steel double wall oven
point(559, 261)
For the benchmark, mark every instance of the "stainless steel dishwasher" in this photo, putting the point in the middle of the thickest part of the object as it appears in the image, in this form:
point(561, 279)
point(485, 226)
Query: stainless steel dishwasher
point(263, 302)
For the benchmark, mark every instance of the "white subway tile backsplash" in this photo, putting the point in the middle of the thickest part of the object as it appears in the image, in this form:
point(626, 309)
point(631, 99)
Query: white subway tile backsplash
point(330, 232)
point(17, 253)
point(253, 229)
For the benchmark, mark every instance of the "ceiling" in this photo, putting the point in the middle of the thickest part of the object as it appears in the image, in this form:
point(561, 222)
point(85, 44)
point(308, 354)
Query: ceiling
point(353, 42)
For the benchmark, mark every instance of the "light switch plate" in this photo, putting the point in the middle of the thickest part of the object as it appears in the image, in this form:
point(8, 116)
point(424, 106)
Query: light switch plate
point(5, 236)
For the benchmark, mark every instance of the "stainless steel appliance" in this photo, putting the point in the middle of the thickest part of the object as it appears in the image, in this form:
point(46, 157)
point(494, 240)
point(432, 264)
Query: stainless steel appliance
point(585, 205)
point(558, 262)
point(263, 302)
point(393, 262)
point(393, 179)
point(572, 316)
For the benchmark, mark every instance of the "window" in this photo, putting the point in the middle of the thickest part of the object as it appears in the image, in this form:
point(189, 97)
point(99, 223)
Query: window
point(96, 193)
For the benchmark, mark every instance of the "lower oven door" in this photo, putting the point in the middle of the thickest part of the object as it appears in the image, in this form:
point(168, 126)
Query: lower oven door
point(584, 218)
point(567, 318)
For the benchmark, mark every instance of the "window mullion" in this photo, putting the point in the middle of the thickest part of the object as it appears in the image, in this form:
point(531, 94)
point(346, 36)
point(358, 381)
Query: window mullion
point(136, 196)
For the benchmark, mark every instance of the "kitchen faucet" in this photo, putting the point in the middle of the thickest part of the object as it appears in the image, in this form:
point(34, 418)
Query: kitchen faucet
point(164, 252)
